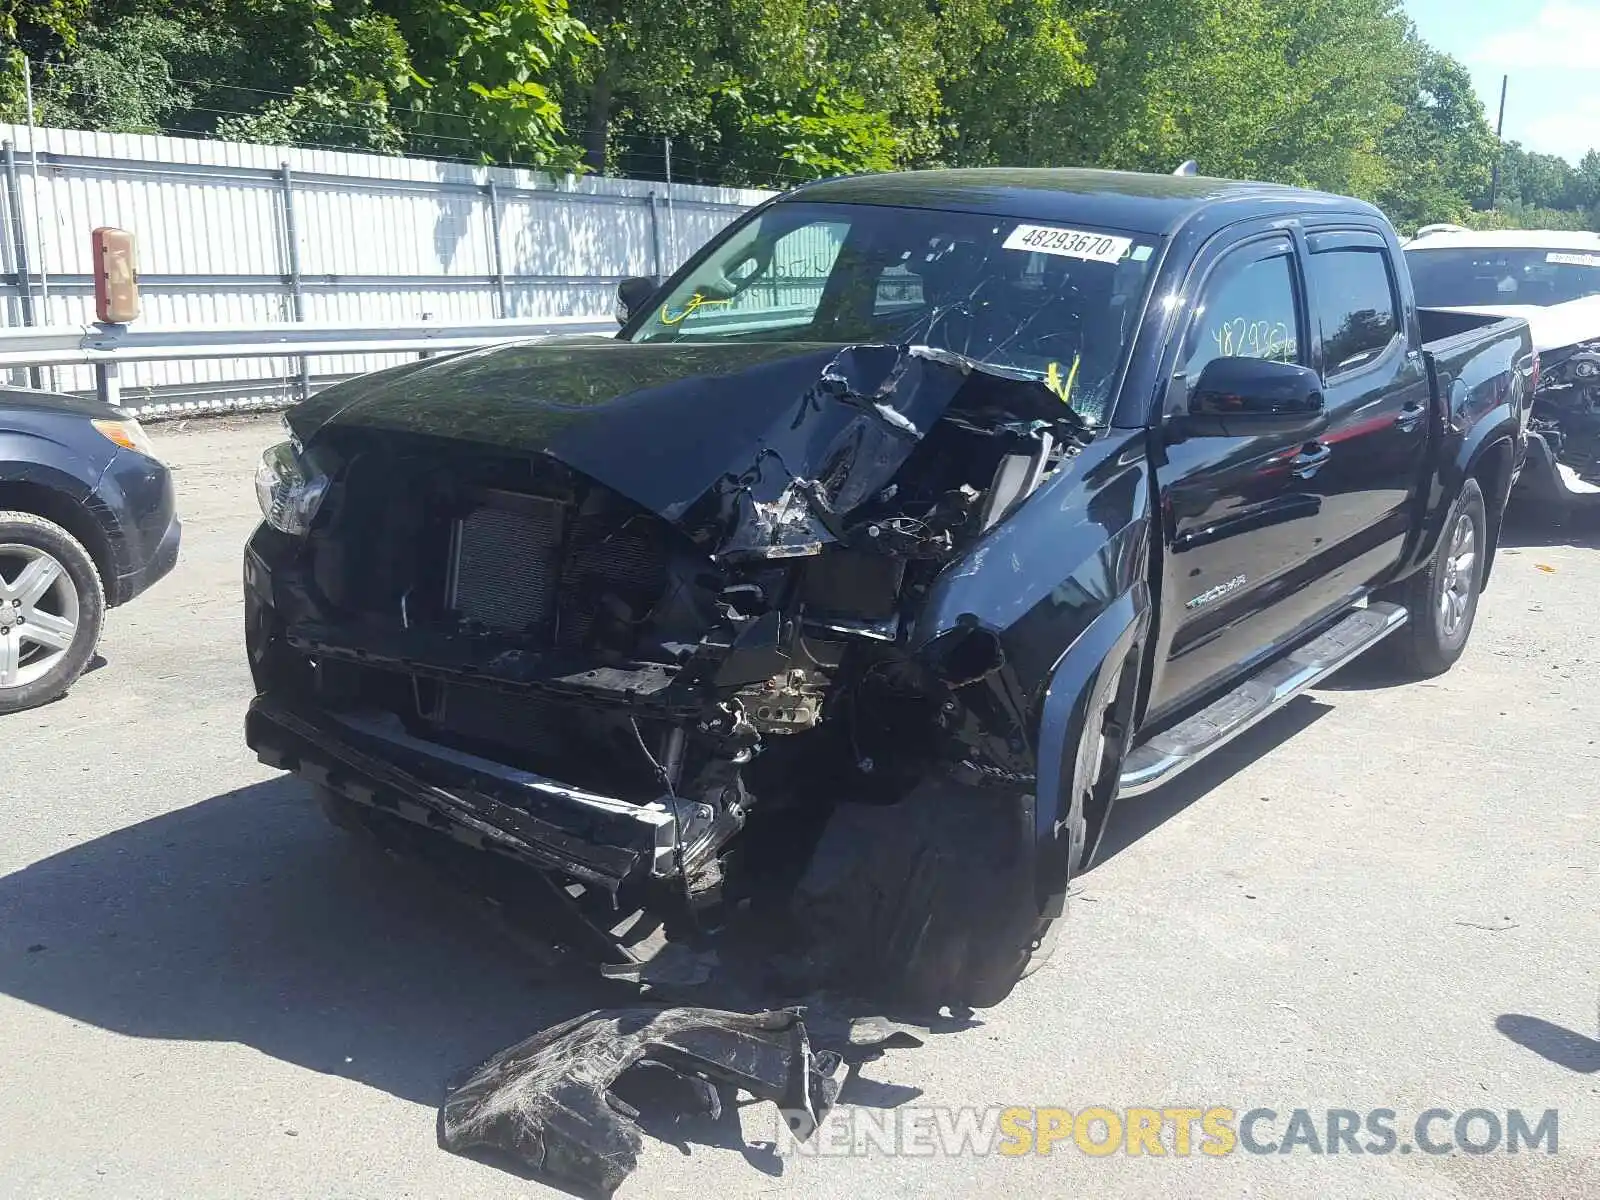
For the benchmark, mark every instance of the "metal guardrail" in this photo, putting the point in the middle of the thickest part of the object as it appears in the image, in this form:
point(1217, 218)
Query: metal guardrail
point(106, 347)
point(80, 344)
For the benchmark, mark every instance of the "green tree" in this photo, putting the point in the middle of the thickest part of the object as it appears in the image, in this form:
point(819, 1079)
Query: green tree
point(463, 80)
point(1530, 179)
point(1588, 180)
point(698, 69)
point(32, 29)
point(1298, 91)
point(141, 74)
point(806, 136)
point(485, 70)
point(1337, 94)
point(1519, 216)
point(1441, 150)
point(1012, 83)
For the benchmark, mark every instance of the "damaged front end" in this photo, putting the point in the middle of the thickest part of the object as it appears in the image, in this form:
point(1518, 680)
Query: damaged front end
point(1566, 418)
point(646, 636)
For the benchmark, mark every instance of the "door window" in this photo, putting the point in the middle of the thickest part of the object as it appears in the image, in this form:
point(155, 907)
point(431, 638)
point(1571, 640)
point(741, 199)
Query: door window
point(1246, 311)
point(1353, 303)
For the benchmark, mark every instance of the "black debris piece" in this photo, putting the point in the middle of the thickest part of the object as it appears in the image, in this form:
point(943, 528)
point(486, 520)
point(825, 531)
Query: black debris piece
point(548, 1101)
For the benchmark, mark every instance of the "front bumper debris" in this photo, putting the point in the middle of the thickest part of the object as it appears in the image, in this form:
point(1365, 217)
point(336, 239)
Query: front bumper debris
point(595, 839)
point(548, 1103)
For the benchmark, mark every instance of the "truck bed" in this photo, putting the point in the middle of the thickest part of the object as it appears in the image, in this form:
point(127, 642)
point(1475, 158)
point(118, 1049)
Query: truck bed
point(1445, 331)
point(1470, 357)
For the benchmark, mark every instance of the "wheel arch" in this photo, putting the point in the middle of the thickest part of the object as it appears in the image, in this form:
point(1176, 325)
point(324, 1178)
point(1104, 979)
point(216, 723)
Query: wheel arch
point(1112, 647)
point(47, 498)
point(1488, 451)
point(1493, 467)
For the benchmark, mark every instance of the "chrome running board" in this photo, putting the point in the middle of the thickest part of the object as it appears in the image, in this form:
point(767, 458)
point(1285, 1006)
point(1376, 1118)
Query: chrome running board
point(1170, 753)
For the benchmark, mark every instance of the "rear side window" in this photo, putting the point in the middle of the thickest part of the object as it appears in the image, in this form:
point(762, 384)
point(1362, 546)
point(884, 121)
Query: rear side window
point(1246, 311)
point(1353, 303)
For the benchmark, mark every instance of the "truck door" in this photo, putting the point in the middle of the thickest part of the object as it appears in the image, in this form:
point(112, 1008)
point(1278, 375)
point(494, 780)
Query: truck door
point(1376, 391)
point(1239, 521)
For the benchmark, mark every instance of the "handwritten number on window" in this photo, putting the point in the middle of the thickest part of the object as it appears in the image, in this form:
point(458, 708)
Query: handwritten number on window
point(1243, 338)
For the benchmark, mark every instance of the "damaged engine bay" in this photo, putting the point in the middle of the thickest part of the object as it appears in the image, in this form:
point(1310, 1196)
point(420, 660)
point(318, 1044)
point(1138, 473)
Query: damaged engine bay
point(650, 659)
point(1566, 409)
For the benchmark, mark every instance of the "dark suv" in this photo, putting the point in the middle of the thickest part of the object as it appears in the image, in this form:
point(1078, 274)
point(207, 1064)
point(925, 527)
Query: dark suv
point(87, 522)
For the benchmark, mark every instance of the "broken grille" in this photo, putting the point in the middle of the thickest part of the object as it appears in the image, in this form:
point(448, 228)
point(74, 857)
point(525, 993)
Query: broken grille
point(505, 570)
point(526, 565)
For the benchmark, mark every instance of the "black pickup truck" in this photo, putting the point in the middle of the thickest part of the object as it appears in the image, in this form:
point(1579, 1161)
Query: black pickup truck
point(912, 523)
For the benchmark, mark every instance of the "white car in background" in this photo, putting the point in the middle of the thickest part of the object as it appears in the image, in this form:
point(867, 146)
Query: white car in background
point(1551, 279)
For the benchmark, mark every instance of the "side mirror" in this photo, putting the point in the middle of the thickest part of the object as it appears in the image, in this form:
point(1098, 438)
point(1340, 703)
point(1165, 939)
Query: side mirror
point(633, 293)
point(1243, 397)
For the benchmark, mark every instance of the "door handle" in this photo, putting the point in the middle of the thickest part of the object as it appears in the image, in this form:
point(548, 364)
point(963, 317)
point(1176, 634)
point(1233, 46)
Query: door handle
point(1410, 415)
point(1310, 460)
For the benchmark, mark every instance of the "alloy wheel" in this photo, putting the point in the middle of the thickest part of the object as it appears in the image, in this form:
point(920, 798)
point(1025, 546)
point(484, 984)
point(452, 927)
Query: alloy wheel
point(38, 614)
point(1460, 576)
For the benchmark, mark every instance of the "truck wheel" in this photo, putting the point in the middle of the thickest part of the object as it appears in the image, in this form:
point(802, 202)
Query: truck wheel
point(1443, 597)
point(52, 607)
point(929, 901)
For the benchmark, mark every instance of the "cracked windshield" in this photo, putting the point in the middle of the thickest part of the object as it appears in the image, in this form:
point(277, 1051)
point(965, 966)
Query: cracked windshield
point(1047, 301)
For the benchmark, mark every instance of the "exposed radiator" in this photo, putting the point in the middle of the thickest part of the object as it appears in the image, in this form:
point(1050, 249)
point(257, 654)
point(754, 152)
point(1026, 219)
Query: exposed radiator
point(525, 564)
point(505, 567)
point(607, 557)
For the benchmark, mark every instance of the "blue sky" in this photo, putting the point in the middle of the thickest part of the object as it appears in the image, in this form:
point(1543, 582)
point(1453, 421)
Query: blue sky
point(1549, 48)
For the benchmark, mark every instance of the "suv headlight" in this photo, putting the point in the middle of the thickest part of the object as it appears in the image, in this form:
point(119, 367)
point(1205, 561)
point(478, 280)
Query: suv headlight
point(289, 489)
point(128, 434)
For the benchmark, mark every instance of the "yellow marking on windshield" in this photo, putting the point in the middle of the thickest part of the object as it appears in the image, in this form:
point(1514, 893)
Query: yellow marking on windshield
point(1062, 388)
point(696, 301)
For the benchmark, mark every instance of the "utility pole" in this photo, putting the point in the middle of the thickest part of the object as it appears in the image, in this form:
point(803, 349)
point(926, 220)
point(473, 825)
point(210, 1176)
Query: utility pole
point(1499, 143)
point(672, 223)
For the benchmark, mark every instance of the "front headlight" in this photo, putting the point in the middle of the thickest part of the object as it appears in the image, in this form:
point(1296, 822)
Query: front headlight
point(289, 489)
point(128, 434)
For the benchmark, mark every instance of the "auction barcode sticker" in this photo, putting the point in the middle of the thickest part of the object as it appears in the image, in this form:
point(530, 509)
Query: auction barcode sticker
point(1572, 260)
point(1069, 243)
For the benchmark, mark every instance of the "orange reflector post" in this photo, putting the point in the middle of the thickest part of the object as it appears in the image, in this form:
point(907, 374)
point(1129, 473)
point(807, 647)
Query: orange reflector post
point(116, 276)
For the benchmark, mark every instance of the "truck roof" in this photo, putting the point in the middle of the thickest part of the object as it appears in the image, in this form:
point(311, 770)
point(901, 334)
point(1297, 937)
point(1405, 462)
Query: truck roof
point(1141, 203)
point(1508, 239)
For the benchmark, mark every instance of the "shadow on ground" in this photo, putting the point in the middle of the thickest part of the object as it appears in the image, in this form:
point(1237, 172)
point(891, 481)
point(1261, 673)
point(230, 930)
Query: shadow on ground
point(1531, 525)
point(1556, 1043)
point(246, 918)
point(1132, 818)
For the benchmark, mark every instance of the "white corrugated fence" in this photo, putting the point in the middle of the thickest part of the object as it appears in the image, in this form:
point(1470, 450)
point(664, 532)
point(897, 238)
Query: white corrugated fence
point(233, 233)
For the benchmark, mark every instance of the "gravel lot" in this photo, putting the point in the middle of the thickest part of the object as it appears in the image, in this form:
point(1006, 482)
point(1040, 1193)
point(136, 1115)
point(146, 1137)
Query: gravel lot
point(1383, 897)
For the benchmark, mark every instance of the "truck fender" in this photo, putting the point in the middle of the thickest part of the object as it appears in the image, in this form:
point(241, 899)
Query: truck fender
point(1109, 653)
point(1488, 453)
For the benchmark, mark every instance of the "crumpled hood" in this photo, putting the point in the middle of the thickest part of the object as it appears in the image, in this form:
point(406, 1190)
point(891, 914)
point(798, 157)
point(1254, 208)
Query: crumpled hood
point(753, 449)
point(1553, 325)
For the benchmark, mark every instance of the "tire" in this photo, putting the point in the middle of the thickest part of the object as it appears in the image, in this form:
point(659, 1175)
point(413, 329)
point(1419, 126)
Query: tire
point(52, 608)
point(928, 902)
point(935, 901)
point(1442, 598)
